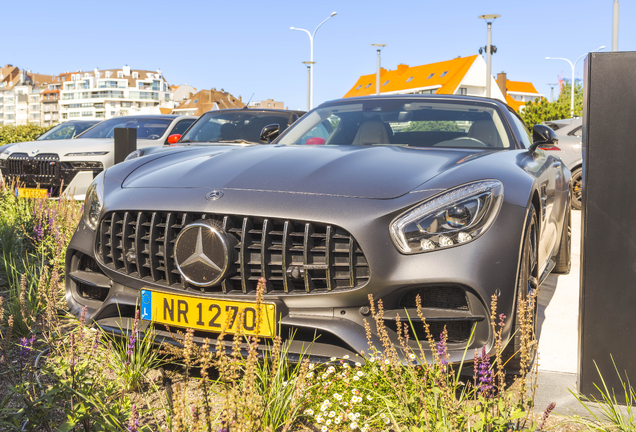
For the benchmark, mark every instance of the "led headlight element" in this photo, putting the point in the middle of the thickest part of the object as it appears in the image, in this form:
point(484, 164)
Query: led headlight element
point(134, 155)
point(94, 202)
point(455, 217)
point(98, 153)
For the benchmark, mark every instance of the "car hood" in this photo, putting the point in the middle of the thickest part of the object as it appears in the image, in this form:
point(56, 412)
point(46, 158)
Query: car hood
point(380, 172)
point(77, 145)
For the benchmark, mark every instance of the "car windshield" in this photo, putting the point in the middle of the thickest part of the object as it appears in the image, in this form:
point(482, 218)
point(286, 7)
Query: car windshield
point(411, 123)
point(147, 128)
point(66, 131)
point(234, 126)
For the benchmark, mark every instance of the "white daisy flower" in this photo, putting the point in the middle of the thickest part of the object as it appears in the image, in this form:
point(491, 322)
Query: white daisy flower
point(309, 411)
point(333, 359)
point(353, 425)
point(358, 364)
point(412, 356)
point(360, 373)
point(324, 429)
point(346, 357)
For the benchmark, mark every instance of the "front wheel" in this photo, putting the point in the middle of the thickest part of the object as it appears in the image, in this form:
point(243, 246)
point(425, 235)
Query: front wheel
point(527, 285)
point(576, 188)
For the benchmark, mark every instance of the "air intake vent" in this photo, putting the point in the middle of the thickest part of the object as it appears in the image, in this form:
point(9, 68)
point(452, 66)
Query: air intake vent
point(293, 256)
point(439, 297)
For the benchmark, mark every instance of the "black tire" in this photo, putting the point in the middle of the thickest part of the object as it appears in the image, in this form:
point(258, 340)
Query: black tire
point(527, 282)
point(564, 255)
point(576, 188)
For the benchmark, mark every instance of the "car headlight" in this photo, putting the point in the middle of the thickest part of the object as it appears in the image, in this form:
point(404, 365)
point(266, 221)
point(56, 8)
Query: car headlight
point(102, 153)
point(455, 217)
point(94, 201)
point(134, 155)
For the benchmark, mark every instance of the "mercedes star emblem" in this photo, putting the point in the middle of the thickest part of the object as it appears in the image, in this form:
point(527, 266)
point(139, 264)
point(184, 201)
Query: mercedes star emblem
point(202, 253)
point(214, 195)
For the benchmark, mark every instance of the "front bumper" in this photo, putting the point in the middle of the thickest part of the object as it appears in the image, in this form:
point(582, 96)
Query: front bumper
point(46, 171)
point(478, 269)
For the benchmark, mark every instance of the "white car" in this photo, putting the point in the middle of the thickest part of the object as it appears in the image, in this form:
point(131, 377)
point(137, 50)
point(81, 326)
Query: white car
point(68, 167)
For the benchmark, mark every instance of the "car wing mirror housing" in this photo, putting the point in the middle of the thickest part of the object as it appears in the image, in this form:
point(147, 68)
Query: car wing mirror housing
point(173, 139)
point(270, 132)
point(543, 136)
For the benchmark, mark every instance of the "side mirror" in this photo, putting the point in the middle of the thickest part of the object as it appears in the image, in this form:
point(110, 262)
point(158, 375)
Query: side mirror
point(543, 136)
point(173, 139)
point(270, 132)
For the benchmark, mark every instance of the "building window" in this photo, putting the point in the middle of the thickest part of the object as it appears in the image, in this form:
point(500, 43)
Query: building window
point(359, 87)
point(431, 75)
point(385, 83)
point(443, 74)
point(410, 79)
point(126, 104)
point(107, 75)
point(112, 113)
point(135, 75)
point(463, 91)
point(64, 116)
point(87, 114)
point(120, 74)
point(73, 114)
point(368, 85)
point(100, 115)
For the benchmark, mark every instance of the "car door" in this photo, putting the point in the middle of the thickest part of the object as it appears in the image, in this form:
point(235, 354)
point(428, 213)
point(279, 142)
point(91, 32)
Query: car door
point(548, 172)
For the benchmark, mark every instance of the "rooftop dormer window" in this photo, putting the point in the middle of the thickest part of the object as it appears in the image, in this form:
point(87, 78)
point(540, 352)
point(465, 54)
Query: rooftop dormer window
point(135, 75)
point(368, 85)
point(385, 82)
point(120, 74)
point(359, 87)
point(431, 75)
point(443, 74)
point(107, 74)
point(410, 79)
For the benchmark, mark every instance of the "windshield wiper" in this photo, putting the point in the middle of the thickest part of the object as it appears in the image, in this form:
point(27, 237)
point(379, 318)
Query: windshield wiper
point(238, 141)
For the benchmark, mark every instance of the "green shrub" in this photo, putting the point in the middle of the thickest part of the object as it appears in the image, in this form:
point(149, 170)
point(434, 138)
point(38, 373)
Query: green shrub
point(19, 133)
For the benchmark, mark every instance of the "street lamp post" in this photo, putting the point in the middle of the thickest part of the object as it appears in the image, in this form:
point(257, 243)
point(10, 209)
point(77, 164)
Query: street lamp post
point(552, 91)
point(308, 64)
point(573, 65)
point(379, 67)
point(311, 68)
point(615, 26)
point(489, 19)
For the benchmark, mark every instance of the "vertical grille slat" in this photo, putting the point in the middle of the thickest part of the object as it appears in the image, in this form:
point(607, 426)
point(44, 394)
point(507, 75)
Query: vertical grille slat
point(308, 244)
point(153, 247)
point(293, 256)
point(286, 256)
point(329, 258)
point(266, 244)
point(168, 250)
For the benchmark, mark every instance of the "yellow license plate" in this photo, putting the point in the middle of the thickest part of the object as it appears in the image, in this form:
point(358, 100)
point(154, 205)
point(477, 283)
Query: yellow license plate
point(32, 193)
point(211, 315)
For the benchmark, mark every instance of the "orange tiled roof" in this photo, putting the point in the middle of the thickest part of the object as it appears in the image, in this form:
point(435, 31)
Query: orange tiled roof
point(520, 86)
point(165, 110)
point(513, 103)
point(447, 74)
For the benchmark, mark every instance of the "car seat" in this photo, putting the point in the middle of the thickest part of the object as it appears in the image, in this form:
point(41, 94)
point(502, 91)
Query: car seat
point(485, 131)
point(371, 132)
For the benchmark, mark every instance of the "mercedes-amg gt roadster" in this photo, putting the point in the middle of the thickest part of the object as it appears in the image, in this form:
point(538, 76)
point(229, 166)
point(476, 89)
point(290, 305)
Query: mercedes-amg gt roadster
point(448, 198)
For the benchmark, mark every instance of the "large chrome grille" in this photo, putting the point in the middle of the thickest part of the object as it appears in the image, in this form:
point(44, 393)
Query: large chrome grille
point(293, 256)
point(43, 168)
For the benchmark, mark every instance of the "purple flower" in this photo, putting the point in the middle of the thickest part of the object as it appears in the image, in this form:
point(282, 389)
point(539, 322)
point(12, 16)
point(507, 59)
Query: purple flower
point(441, 349)
point(485, 374)
point(26, 345)
point(73, 358)
point(98, 335)
point(133, 423)
point(133, 335)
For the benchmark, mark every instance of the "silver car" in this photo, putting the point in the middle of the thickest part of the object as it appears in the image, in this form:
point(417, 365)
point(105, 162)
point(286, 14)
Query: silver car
point(570, 132)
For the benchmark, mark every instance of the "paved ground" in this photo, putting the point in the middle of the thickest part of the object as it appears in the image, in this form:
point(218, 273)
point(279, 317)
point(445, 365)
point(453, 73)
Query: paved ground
point(558, 333)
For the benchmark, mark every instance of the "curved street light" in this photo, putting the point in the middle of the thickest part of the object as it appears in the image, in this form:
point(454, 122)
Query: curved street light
point(311, 43)
point(573, 65)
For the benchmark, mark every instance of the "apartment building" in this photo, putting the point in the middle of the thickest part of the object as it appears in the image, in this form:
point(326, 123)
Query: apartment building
point(268, 104)
point(208, 100)
point(103, 94)
point(20, 95)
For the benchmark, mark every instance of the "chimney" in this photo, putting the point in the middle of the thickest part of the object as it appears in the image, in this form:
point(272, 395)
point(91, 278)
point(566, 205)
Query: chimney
point(501, 82)
point(96, 73)
point(126, 70)
point(401, 69)
point(240, 99)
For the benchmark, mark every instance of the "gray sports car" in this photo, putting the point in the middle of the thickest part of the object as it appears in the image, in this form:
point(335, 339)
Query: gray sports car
point(445, 197)
point(570, 133)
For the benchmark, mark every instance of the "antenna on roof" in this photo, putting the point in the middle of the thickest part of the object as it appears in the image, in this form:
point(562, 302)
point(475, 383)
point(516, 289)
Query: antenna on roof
point(248, 102)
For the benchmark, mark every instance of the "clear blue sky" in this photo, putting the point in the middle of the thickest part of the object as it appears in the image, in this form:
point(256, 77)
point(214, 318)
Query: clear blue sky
point(246, 47)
